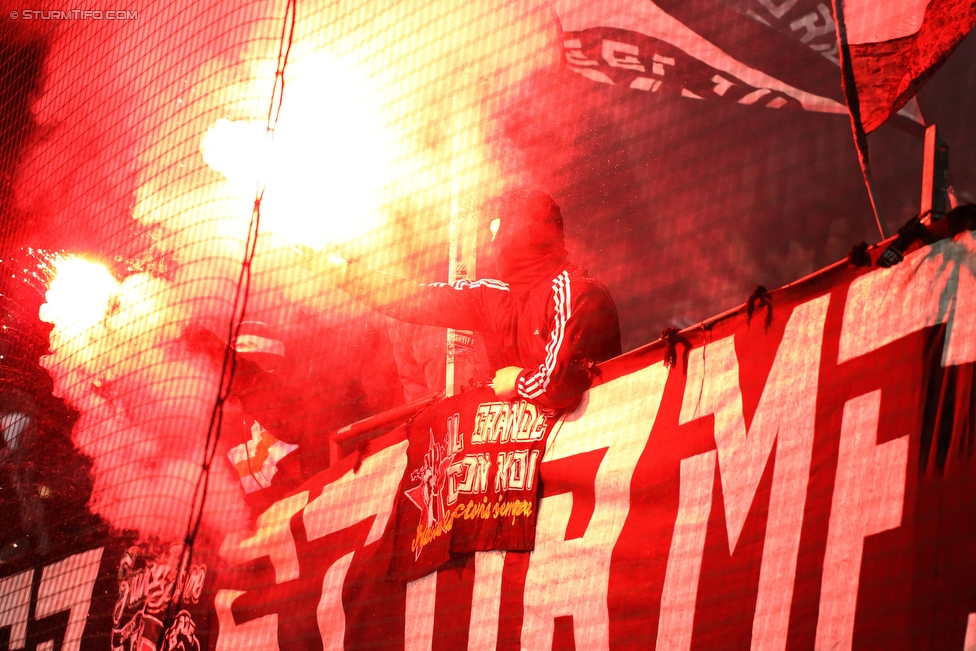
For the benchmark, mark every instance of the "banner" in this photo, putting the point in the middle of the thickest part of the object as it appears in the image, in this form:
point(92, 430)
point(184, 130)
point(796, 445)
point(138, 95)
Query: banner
point(471, 482)
point(803, 477)
point(801, 482)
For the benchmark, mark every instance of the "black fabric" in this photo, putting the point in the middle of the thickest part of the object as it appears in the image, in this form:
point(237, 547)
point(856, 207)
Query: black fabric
point(529, 246)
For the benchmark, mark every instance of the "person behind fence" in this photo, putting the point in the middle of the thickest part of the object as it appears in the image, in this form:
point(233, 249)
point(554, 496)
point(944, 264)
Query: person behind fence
point(546, 322)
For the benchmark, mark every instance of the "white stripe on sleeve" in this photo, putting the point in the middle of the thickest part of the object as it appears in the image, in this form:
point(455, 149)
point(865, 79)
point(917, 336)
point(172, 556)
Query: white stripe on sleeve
point(472, 284)
point(535, 385)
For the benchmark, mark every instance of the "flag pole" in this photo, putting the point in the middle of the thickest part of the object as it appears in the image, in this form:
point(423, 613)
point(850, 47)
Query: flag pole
point(935, 176)
point(455, 250)
point(462, 225)
point(854, 108)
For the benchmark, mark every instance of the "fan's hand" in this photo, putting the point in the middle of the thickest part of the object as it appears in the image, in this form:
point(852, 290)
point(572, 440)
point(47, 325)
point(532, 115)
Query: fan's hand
point(504, 382)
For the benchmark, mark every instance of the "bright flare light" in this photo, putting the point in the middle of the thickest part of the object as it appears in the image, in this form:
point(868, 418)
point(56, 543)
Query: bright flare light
point(239, 150)
point(328, 165)
point(79, 295)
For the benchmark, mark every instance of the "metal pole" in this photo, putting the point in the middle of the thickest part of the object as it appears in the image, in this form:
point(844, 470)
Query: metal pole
point(849, 84)
point(463, 225)
point(935, 176)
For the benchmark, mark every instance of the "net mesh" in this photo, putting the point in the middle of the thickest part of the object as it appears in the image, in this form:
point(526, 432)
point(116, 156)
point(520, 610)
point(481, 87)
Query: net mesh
point(171, 176)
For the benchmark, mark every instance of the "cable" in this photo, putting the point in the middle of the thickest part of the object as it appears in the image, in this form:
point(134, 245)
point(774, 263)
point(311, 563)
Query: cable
point(238, 310)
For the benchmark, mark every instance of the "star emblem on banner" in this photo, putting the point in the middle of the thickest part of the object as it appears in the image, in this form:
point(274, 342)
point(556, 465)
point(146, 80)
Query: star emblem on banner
point(428, 495)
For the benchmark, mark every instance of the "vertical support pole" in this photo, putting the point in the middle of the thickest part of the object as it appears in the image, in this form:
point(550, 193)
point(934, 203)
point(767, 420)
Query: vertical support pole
point(454, 256)
point(935, 176)
point(462, 227)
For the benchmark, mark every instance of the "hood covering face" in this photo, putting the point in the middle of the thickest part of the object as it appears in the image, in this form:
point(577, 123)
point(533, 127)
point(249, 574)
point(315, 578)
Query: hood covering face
point(529, 245)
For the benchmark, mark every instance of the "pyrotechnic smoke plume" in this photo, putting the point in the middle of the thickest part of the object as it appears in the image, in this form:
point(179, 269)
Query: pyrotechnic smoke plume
point(150, 147)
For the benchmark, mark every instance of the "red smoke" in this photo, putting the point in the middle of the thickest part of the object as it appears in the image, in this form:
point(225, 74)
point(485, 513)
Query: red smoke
point(148, 151)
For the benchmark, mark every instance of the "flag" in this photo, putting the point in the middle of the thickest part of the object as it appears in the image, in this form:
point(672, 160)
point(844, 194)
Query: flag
point(896, 46)
point(256, 461)
point(769, 53)
point(471, 482)
point(701, 49)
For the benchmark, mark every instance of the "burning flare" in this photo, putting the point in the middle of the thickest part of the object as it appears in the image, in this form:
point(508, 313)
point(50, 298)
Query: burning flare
point(327, 165)
point(78, 298)
point(144, 399)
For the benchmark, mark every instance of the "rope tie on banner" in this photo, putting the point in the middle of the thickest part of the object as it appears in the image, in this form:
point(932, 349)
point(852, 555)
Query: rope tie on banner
point(362, 451)
point(859, 255)
point(671, 338)
point(590, 367)
point(961, 218)
point(760, 297)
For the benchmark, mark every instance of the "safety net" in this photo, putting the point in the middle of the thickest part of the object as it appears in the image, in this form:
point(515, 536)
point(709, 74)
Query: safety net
point(213, 438)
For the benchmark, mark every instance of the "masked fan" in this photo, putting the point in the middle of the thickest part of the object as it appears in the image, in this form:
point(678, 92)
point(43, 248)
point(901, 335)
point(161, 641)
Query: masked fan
point(546, 323)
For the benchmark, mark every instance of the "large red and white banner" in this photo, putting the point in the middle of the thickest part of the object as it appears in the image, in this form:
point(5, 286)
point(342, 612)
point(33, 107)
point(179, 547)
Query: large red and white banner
point(801, 478)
